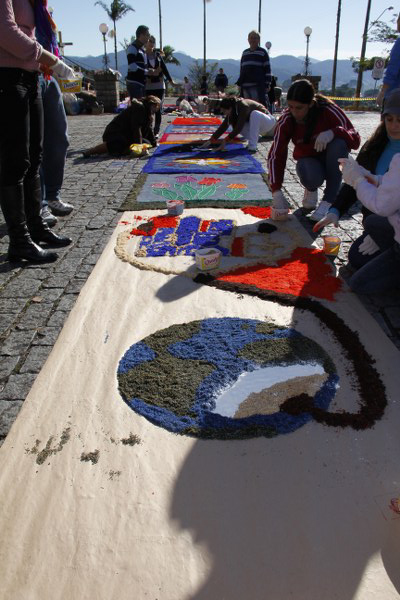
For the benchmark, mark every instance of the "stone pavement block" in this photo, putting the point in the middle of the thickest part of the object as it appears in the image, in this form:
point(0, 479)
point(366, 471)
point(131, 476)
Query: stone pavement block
point(6, 321)
point(8, 413)
point(57, 281)
point(7, 365)
point(47, 336)
point(84, 272)
point(18, 386)
point(17, 343)
point(35, 316)
point(50, 295)
point(21, 289)
point(75, 286)
point(35, 360)
point(57, 319)
point(67, 302)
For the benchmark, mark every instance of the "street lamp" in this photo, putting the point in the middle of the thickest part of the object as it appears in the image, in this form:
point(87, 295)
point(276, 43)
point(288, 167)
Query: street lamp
point(103, 28)
point(377, 18)
point(307, 33)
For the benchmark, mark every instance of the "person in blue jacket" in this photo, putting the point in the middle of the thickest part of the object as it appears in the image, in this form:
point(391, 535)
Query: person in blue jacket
point(391, 79)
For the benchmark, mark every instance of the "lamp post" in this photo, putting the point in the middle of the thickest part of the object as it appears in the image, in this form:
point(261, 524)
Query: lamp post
point(307, 33)
point(103, 28)
point(336, 47)
point(259, 17)
point(377, 18)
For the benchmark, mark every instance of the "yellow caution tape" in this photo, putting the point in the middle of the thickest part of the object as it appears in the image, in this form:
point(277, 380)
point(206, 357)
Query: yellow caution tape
point(353, 99)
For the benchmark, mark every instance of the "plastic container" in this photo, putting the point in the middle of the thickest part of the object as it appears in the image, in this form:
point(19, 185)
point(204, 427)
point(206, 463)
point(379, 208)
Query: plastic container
point(208, 258)
point(74, 86)
point(331, 245)
point(175, 207)
point(279, 214)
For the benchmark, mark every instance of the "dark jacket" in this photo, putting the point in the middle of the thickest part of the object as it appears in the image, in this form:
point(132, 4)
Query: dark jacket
point(132, 124)
point(240, 114)
point(221, 81)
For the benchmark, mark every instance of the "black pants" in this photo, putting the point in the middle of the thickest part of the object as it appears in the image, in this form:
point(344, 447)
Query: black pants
point(160, 93)
point(21, 126)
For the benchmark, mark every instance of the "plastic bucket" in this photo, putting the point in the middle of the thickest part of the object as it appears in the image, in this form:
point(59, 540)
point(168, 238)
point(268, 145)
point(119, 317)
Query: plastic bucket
point(74, 86)
point(331, 245)
point(208, 258)
point(279, 214)
point(175, 207)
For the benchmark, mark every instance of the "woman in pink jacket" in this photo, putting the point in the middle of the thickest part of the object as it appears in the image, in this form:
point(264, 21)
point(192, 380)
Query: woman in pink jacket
point(21, 128)
point(381, 197)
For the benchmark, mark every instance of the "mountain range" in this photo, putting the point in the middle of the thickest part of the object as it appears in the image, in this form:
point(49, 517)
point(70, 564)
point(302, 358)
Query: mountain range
point(283, 67)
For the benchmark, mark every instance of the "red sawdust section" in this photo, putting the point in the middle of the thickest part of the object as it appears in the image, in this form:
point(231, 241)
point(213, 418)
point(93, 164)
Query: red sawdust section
point(238, 247)
point(305, 273)
point(261, 212)
point(155, 223)
point(196, 121)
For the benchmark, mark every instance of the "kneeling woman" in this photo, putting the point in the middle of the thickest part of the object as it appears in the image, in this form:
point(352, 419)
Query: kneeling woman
point(131, 126)
point(321, 133)
point(247, 117)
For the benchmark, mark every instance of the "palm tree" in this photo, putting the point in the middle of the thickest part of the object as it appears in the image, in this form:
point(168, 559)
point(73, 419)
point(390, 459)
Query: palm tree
point(168, 56)
point(115, 11)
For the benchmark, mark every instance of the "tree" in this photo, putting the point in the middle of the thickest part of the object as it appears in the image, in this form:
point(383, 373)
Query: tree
point(168, 56)
point(115, 11)
point(383, 33)
point(196, 73)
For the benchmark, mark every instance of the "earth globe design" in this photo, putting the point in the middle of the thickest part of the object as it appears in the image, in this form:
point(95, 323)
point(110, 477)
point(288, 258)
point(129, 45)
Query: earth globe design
point(226, 378)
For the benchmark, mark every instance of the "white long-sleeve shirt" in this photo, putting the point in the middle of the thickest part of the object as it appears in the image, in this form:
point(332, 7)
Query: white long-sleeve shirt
point(385, 199)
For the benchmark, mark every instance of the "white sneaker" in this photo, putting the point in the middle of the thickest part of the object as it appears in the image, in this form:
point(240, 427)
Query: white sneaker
point(60, 208)
point(47, 217)
point(321, 211)
point(310, 199)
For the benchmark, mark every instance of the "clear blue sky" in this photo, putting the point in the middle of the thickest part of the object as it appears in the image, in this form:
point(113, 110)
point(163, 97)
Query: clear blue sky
point(228, 23)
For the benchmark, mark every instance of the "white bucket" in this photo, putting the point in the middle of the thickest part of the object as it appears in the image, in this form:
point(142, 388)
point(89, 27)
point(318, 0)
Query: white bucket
point(279, 214)
point(208, 258)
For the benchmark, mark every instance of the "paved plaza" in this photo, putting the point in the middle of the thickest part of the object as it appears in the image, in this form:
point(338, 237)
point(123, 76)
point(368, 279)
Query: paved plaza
point(35, 301)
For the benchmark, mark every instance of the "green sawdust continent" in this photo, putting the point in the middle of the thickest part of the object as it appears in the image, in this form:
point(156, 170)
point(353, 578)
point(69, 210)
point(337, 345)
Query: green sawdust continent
point(287, 351)
point(167, 381)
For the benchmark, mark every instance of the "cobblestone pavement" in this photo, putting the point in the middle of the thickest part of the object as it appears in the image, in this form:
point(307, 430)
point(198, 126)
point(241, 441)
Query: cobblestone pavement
point(35, 300)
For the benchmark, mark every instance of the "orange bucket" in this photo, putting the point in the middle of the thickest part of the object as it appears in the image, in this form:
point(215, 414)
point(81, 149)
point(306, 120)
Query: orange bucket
point(331, 245)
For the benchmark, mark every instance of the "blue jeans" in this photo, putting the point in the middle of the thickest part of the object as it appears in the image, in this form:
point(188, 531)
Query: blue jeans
point(380, 231)
point(21, 126)
point(313, 171)
point(381, 274)
point(135, 90)
point(55, 142)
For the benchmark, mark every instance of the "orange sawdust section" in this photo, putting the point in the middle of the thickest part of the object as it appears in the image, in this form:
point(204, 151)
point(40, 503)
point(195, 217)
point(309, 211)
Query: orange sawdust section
point(305, 273)
point(261, 212)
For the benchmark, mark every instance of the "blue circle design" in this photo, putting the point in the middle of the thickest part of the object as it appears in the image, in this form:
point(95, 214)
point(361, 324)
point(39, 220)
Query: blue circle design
point(222, 345)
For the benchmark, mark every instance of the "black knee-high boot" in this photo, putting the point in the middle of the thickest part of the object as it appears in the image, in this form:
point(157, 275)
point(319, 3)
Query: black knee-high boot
point(21, 245)
point(39, 230)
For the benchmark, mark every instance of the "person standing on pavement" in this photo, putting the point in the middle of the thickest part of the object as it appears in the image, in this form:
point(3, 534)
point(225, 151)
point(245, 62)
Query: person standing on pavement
point(188, 90)
point(255, 71)
point(391, 79)
point(155, 85)
point(221, 81)
point(137, 64)
point(374, 159)
point(321, 133)
point(56, 142)
point(21, 127)
point(247, 117)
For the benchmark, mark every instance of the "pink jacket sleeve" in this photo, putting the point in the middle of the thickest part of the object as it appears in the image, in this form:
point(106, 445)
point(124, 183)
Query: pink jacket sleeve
point(12, 37)
point(385, 199)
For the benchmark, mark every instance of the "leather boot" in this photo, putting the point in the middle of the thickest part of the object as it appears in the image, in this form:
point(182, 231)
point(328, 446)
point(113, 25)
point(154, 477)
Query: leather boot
point(21, 245)
point(39, 230)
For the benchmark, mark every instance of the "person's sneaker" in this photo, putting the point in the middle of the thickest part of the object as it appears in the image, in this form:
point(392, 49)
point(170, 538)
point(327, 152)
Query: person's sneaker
point(321, 211)
point(47, 217)
point(60, 208)
point(310, 199)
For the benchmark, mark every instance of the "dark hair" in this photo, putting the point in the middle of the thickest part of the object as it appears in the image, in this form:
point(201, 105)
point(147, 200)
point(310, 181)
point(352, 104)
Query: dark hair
point(303, 91)
point(152, 39)
point(152, 100)
point(372, 149)
point(228, 102)
point(141, 29)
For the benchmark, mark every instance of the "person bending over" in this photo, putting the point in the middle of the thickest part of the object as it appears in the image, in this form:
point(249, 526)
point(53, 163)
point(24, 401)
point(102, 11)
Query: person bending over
point(132, 126)
point(247, 117)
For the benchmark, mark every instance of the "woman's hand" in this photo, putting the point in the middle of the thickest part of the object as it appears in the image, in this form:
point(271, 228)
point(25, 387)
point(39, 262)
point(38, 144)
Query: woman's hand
point(205, 145)
point(222, 146)
point(323, 139)
point(352, 172)
point(368, 246)
point(330, 219)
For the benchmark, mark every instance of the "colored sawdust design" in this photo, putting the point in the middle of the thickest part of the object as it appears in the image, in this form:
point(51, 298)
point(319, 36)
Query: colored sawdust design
point(223, 191)
point(305, 273)
point(193, 378)
point(185, 138)
point(196, 121)
point(257, 211)
point(170, 237)
point(174, 241)
point(168, 159)
point(207, 130)
point(367, 383)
